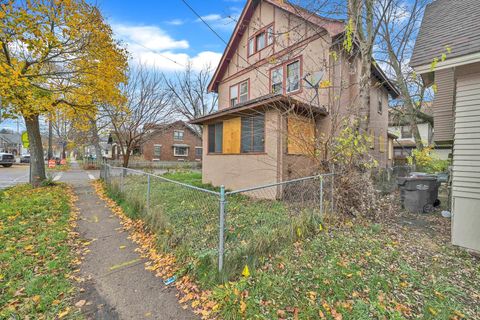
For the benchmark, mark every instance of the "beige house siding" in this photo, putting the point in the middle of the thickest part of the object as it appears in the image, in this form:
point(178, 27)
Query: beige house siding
point(443, 105)
point(466, 159)
point(237, 171)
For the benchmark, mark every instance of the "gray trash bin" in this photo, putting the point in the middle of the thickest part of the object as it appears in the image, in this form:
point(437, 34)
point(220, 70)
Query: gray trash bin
point(418, 192)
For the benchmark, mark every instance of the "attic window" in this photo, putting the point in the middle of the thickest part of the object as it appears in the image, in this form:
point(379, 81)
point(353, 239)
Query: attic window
point(260, 40)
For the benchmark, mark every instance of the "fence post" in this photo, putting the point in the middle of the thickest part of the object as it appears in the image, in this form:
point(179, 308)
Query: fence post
point(221, 237)
point(332, 199)
point(148, 193)
point(321, 195)
point(121, 179)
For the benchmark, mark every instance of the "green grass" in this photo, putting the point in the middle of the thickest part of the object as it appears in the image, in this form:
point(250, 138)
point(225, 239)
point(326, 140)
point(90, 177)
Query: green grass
point(359, 273)
point(186, 222)
point(299, 268)
point(35, 255)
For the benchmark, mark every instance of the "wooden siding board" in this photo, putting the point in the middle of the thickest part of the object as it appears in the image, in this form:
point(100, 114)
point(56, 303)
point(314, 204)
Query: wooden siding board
point(443, 105)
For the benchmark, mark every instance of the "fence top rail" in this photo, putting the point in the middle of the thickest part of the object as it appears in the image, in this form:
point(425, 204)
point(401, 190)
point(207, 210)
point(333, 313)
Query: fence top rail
point(320, 176)
point(167, 180)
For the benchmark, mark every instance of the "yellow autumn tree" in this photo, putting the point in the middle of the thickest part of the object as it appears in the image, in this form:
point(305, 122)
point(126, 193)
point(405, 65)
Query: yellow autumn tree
point(56, 56)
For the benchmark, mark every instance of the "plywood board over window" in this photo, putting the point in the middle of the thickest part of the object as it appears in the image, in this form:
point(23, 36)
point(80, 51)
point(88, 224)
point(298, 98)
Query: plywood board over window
point(231, 135)
point(301, 135)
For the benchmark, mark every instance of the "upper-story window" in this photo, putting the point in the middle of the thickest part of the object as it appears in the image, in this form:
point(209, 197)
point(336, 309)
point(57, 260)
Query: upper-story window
point(407, 132)
point(277, 80)
point(293, 76)
point(178, 135)
point(286, 78)
point(239, 93)
point(260, 40)
point(380, 104)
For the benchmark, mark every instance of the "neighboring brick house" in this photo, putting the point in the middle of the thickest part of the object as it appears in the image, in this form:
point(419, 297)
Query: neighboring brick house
point(176, 141)
point(265, 101)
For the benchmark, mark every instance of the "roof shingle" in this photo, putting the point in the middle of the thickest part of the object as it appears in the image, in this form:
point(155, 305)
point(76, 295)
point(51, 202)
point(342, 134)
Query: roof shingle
point(448, 23)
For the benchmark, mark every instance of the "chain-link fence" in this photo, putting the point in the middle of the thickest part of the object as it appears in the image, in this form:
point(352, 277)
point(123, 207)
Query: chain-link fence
point(222, 230)
point(385, 179)
point(158, 165)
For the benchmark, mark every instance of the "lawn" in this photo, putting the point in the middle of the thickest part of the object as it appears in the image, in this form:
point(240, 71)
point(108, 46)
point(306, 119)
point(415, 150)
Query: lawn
point(186, 221)
point(304, 268)
point(36, 258)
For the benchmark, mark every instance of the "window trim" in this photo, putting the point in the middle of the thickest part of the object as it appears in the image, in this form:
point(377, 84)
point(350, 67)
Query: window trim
point(153, 154)
point(183, 134)
point(197, 148)
point(271, 78)
point(238, 92)
point(254, 37)
point(179, 155)
point(284, 75)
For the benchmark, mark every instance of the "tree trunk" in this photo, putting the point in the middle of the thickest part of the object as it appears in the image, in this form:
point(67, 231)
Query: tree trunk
point(364, 94)
point(96, 140)
point(36, 150)
point(126, 158)
point(50, 140)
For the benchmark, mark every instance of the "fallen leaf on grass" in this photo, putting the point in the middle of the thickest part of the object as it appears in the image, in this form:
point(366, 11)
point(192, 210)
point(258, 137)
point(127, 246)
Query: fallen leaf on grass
point(80, 303)
point(36, 299)
point(63, 313)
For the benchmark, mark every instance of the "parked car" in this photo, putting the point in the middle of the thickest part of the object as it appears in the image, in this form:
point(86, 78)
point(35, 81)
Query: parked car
point(7, 159)
point(25, 158)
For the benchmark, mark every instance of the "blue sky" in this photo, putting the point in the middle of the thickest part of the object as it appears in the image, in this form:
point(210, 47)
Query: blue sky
point(152, 30)
point(155, 29)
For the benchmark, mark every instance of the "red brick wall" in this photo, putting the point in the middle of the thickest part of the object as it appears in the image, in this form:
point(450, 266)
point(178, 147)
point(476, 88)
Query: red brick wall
point(166, 140)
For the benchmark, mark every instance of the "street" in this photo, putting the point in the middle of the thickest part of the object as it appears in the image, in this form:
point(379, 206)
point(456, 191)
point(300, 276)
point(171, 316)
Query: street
point(13, 175)
point(18, 174)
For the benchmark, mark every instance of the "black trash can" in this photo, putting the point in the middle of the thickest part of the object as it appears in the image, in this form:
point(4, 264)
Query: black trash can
point(418, 192)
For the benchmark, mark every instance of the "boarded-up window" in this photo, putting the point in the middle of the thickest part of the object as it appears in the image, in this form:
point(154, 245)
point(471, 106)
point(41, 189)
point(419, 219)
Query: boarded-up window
point(231, 135)
point(390, 149)
point(253, 133)
point(301, 135)
point(371, 134)
point(381, 141)
point(215, 137)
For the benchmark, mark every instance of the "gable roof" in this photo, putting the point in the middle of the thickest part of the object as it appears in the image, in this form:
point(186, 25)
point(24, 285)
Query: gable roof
point(332, 26)
point(447, 23)
point(164, 127)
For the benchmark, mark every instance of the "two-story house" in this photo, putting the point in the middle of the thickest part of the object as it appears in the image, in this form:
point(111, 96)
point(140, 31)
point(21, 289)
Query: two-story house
point(283, 81)
point(175, 141)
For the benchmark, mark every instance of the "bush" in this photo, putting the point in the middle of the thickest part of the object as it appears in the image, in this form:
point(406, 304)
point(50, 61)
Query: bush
point(426, 160)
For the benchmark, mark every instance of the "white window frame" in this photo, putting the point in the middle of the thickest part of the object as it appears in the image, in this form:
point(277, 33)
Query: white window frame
point(179, 131)
point(287, 80)
point(236, 96)
point(175, 154)
point(280, 71)
point(154, 155)
point(270, 35)
point(262, 35)
point(251, 46)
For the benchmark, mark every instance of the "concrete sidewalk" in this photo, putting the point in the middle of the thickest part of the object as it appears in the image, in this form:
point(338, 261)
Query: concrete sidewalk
point(117, 286)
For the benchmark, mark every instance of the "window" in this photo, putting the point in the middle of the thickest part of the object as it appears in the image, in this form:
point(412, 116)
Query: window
point(293, 76)
point(178, 135)
point(180, 151)
point(381, 141)
point(215, 137)
point(269, 35)
point(371, 133)
point(157, 149)
point(260, 41)
point(238, 93)
point(407, 132)
point(251, 46)
point(380, 104)
point(198, 151)
point(277, 80)
point(253, 134)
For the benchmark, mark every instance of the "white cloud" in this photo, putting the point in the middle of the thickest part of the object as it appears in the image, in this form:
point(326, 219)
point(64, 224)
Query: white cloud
point(224, 23)
point(175, 22)
point(154, 47)
point(211, 17)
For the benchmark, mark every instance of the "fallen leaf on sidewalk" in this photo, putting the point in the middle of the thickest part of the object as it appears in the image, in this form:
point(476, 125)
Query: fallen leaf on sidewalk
point(123, 247)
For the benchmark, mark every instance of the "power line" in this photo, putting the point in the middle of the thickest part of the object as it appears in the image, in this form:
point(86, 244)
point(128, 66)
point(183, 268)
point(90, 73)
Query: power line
point(160, 54)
